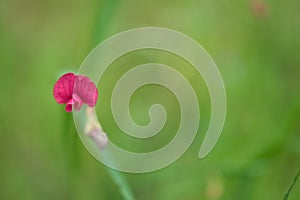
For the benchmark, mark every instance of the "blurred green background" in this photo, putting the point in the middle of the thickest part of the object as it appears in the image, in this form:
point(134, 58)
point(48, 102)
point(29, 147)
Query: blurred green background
point(256, 46)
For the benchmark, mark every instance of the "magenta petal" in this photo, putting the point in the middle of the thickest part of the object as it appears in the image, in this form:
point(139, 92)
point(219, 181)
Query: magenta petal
point(77, 102)
point(86, 90)
point(63, 88)
point(69, 105)
point(74, 91)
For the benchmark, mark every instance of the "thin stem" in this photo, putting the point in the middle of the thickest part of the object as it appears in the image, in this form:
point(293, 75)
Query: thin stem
point(117, 177)
point(122, 184)
point(286, 196)
point(102, 22)
point(94, 131)
point(103, 19)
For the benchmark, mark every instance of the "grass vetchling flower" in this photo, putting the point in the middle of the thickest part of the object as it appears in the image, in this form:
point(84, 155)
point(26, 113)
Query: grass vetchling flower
point(75, 90)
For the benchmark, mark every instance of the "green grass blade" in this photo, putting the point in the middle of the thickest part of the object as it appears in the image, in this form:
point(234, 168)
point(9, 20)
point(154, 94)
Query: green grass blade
point(286, 196)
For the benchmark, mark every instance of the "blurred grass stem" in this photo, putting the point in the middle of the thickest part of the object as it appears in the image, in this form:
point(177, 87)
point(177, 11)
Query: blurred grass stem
point(286, 196)
point(103, 20)
point(94, 131)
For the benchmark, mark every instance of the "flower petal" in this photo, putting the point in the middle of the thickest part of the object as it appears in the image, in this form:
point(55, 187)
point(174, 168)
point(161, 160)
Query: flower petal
point(77, 102)
point(86, 90)
point(69, 105)
point(63, 88)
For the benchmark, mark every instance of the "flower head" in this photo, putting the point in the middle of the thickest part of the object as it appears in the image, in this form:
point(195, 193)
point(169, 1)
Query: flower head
point(75, 90)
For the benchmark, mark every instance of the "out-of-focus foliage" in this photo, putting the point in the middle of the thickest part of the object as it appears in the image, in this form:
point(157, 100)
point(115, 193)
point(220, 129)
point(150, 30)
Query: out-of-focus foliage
point(256, 46)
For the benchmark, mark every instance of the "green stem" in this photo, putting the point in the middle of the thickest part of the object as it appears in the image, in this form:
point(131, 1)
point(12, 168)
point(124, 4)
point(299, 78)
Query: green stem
point(103, 19)
point(102, 22)
point(69, 138)
point(122, 184)
point(286, 196)
point(118, 178)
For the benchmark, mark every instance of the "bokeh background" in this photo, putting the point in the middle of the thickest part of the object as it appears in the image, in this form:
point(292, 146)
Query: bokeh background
point(255, 44)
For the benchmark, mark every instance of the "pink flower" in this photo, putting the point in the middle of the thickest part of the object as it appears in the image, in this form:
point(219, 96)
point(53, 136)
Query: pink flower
point(75, 90)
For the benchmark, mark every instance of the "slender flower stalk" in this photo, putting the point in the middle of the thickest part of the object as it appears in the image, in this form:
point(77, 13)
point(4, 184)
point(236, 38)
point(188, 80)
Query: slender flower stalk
point(94, 131)
point(102, 22)
point(122, 184)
